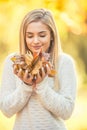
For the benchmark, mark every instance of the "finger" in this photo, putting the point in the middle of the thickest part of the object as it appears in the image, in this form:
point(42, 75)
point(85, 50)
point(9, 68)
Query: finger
point(40, 72)
point(48, 69)
point(20, 73)
point(34, 78)
point(45, 69)
point(39, 78)
point(26, 75)
point(43, 72)
point(49, 64)
point(15, 69)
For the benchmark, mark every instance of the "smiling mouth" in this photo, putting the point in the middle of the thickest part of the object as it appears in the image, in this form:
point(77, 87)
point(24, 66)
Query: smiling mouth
point(37, 47)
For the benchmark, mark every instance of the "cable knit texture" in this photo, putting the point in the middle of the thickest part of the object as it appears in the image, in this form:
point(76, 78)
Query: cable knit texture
point(41, 108)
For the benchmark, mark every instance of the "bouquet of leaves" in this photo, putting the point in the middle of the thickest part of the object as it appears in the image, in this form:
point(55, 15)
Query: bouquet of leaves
point(33, 63)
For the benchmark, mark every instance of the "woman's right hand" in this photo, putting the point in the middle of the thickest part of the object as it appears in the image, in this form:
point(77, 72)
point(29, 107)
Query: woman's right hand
point(25, 77)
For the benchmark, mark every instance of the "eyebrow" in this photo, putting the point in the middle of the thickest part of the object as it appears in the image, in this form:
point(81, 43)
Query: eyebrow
point(38, 32)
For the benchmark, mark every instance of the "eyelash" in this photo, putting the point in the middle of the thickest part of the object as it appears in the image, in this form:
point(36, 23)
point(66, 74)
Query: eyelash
point(32, 36)
point(42, 36)
point(29, 36)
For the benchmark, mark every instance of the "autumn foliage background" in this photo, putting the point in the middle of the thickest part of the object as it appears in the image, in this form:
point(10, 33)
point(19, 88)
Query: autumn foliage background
point(71, 21)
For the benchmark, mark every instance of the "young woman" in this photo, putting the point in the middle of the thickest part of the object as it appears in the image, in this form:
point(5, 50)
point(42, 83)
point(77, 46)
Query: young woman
point(52, 99)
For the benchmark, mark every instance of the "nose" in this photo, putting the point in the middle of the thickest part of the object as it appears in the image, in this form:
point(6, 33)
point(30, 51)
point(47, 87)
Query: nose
point(36, 40)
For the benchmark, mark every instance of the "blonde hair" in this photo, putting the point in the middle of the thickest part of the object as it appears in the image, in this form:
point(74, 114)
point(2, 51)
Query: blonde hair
point(45, 16)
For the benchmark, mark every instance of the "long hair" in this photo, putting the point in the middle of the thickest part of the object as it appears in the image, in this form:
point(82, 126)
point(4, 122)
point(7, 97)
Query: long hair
point(45, 16)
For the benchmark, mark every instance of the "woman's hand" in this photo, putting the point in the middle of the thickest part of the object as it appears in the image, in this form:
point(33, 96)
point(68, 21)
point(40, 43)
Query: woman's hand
point(43, 72)
point(30, 79)
point(25, 77)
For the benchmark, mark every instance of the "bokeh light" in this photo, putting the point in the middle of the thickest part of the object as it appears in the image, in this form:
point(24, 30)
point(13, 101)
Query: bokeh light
point(71, 21)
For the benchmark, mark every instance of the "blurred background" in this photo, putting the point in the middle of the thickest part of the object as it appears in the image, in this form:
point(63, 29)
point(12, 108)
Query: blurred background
point(71, 21)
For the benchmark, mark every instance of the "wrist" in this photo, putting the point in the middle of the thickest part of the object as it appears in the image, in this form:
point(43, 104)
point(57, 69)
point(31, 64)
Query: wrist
point(28, 83)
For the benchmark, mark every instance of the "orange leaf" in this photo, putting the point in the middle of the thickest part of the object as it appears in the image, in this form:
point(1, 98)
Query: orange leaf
point(52, 73)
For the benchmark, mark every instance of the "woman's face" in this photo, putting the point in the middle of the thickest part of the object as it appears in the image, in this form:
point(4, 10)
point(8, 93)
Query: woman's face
point(38, 37)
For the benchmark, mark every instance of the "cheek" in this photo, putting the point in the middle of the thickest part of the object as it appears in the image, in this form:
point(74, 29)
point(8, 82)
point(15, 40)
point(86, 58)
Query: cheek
point(46, 43)
point(46, 46)
point(28, 40)
point(28, 43)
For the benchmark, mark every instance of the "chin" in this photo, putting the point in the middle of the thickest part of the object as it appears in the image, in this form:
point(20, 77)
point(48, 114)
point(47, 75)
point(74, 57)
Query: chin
point(36, 51)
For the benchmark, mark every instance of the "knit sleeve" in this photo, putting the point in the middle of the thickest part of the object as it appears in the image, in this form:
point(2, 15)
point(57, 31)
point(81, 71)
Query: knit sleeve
point(13, 96)
point(60, 103)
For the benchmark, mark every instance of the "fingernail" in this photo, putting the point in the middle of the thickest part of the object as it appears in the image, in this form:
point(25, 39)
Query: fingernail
point(20, 69)
point(46, 65)
point(26, 71)
point(42, 68)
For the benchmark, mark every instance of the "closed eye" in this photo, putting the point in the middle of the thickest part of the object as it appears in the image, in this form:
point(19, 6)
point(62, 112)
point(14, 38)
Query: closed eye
point(42, 35)
point(29, 36)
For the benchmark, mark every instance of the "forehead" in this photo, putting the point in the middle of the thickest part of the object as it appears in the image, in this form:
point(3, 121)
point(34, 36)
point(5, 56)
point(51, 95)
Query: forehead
point(37, 26)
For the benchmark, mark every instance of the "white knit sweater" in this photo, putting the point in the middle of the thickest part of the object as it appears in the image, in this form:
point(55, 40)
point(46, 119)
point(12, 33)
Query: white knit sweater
point(44, 108)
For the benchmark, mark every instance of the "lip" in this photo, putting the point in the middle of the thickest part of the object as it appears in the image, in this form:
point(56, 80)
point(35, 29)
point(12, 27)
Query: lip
point(37, 47)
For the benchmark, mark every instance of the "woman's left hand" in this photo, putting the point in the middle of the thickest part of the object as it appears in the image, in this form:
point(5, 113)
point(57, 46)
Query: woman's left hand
point(43, 72)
